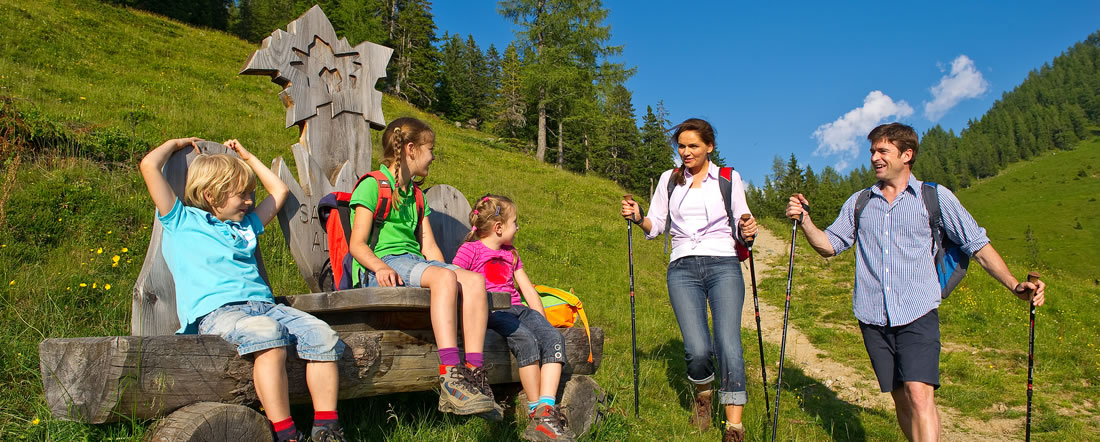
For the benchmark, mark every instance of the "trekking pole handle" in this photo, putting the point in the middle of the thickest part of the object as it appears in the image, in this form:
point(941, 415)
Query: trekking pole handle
point(630, 198)
point(748, 239)
point(1033, 277)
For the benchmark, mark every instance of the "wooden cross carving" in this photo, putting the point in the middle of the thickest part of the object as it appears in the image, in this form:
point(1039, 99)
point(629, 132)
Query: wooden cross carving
point(328, 91)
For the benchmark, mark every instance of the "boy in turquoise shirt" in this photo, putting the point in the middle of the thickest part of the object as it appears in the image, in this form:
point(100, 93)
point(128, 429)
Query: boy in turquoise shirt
point(209, 244)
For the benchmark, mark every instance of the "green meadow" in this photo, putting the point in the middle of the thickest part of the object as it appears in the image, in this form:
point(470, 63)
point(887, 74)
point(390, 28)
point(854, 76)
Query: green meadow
point(86, 89)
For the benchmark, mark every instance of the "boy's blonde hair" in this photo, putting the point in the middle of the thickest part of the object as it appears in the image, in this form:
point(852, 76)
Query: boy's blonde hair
point(489, 209)
point(218, 176)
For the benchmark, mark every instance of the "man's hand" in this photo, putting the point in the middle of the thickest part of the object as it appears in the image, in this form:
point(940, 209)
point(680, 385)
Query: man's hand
point(1023, 291)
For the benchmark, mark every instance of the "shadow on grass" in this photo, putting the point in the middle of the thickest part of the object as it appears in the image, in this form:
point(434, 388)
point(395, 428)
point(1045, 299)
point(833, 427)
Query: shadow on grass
point(838, 418)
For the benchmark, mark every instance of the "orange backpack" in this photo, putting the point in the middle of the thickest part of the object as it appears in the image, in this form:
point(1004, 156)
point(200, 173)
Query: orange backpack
point(562, 310)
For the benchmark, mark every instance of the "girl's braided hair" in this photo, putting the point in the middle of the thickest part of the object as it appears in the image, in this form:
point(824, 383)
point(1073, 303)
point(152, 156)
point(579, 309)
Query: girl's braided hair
point(489, 209)
point(397, 136)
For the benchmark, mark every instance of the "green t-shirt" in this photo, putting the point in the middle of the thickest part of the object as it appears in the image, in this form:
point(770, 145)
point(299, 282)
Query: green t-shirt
point(398, 234)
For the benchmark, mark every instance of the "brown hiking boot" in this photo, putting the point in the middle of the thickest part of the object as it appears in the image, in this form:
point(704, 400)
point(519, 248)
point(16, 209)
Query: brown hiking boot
point(459, 395)
point(701, 410)
point(479, 378)
point(734, 433)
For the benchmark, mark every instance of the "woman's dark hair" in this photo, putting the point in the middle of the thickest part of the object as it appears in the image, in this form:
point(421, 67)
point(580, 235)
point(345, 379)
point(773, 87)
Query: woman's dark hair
point(702, 128)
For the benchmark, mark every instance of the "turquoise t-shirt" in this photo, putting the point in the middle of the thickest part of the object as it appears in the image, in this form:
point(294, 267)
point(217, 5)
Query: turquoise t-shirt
point(398, 234)
point(213, 262)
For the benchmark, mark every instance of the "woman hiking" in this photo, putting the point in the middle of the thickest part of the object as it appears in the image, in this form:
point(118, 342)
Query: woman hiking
point(703, 269)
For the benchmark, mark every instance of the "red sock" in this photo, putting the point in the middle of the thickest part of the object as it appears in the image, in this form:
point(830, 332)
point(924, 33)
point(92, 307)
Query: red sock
point(284, 429)
point(325, 419)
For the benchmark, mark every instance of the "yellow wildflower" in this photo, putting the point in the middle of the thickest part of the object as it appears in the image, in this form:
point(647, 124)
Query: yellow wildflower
point(12, 282)
point(94, 284)
point(83, 284)
point(108, 232)
point(35, 421)
point(106, 286)
point(99, 251)
point(124, 250)
point(82, 98)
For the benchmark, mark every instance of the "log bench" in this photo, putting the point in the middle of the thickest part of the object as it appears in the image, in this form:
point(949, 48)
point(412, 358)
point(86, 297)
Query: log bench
point(390, 347)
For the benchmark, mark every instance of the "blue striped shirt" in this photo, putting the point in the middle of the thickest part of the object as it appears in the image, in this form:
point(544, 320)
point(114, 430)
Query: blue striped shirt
point(896, 279)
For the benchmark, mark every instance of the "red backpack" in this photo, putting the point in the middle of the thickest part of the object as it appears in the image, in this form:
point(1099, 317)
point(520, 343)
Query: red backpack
point(725, 185)
point(334, 212)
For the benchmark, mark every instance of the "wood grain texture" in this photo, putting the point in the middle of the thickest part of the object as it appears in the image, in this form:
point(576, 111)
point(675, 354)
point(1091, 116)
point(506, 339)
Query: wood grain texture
point(329, 93)
point(450, 218)
point(107, 379)
point(211, 421)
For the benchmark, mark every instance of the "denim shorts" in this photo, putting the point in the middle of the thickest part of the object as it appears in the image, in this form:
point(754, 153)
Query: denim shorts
point(256, 325)
point(529, 335)
point(408, 266)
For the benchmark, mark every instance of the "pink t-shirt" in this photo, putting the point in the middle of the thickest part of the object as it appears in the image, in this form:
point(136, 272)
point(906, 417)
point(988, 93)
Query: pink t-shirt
point(498, 266)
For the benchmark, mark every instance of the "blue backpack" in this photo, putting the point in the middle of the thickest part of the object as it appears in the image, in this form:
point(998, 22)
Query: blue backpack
point(951, 261)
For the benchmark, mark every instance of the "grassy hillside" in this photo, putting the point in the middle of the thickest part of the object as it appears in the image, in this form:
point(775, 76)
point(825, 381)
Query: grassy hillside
point(86, 88)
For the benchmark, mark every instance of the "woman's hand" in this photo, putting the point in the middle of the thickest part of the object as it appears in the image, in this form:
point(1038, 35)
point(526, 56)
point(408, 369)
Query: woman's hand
point(632, 211)
point(387, 277)
point(748, 227)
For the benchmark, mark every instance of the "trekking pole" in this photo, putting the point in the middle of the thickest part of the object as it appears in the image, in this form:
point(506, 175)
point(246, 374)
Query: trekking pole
point(759, 333)
point(1032, 277)
point(786, 315)
point(633, 334)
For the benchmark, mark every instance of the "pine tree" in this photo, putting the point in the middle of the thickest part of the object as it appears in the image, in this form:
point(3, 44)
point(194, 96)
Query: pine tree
point(559, 38)
point(509, 110)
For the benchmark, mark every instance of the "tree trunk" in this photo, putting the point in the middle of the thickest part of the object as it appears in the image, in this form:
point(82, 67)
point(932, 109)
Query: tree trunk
point(561, 135)
point(540, 151)
point(107, 379)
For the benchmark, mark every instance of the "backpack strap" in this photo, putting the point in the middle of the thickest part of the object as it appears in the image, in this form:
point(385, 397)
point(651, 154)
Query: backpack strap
point(418, 195)
point(931, 197)
point(668, 209)
point(861, 203)
point(385, 204)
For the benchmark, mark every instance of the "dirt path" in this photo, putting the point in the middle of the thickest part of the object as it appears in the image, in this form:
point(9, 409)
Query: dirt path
point(847, 383)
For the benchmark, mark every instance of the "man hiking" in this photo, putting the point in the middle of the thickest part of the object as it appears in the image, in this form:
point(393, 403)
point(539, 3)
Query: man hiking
point(897, 290)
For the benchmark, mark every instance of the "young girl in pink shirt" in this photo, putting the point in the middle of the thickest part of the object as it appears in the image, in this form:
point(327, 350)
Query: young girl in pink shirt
point(489, 251)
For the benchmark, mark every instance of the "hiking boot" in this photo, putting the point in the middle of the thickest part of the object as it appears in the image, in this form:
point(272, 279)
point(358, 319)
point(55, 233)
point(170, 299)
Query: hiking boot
point(701, 410)
point(546, 423)
point(480, 379)
point(459, 396)
point(326, 434)
point(734, 434)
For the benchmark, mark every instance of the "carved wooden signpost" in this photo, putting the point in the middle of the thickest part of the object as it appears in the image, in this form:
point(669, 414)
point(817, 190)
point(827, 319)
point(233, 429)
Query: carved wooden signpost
point(329, 94)
point(328, 91)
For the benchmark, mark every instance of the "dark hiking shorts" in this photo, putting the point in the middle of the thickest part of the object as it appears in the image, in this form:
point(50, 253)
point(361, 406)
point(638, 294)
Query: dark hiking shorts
point(906, 353)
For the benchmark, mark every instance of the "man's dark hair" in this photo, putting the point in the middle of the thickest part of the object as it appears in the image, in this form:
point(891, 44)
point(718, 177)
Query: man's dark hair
point(900, 135)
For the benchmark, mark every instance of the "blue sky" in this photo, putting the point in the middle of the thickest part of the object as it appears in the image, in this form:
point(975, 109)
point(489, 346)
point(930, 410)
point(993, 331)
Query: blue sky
point(813, 78)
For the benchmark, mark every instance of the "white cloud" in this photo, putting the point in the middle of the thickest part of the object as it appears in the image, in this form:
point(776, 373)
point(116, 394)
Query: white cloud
point(963, 82)
point(843, 136)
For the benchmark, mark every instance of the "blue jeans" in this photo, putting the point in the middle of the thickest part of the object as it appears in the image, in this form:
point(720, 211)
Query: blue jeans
point(693, 281)
point(530, 336)
point(254, 325)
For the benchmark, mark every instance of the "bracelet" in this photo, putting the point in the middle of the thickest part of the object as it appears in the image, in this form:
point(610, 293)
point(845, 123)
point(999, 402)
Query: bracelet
point(638, 222)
